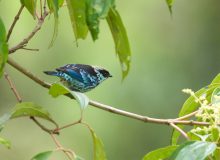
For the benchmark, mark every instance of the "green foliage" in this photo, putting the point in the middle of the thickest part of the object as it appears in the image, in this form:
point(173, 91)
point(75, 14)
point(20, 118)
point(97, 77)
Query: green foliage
point(99, 152)
point(58, 89)
point(170, 4)
point(31, 109)
point(161, 153)
point(121, 40)
point(3, 47)
point(191, 105)
point(5, 142)
point(31, 6)
point(194, 150)
point(42, 155)
point(77, 12)
point(96, 9)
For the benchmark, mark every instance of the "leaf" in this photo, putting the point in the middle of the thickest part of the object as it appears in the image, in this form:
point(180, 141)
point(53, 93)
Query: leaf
point(77, 12)
point(121, 40)
point(31, 109)
point(99, 152)
point(57, 90)
point(190, 105)
point(31, 6)
point(96, 10)
point(194, 150)
point(42, 155)
point(3, 47)
point(54, 7)
point(215, 99)
point(170, 4)
point(161, 153)
point(5, 142)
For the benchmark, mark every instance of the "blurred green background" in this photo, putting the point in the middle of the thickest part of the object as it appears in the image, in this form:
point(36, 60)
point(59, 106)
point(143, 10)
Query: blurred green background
point(168, 54)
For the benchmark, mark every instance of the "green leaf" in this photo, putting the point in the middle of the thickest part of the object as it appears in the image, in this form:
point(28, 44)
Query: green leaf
point(170, 4)
point(190, 105)
point(215, 99)
point(57, 90)
point(99, 152)
point(194, 150)
point(54, 8)
point(5, 142)
point(161, 153)
point(3, 47)
point(217, 154)
point(31, 109)
point(121, 40)
point(42, 155)
point(96, 10)
point(77, 12)
point(31, 6)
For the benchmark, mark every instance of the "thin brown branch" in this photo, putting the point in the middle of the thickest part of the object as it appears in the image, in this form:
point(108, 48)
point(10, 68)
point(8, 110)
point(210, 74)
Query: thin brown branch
point(34, 31)
point(66, 126)
point(69, 153)
point(179, 130)
point(13, 88)
point(16, 18)
point(107, 107)
point(30, 49)
point(187, 116)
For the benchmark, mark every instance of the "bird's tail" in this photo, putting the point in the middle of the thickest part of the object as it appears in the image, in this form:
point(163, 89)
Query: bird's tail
point(52, 73)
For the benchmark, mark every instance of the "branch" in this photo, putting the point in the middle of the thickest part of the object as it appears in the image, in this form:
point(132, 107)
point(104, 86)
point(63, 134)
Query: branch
point(107, 107)
point(179, 130)
point(13, 88)
point(34, 31)
point(14, 22)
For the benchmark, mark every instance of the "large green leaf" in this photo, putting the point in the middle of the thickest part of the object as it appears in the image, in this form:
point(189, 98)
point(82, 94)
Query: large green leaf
point(99, 152)
point(194, 150)
point(96, 9)
point(121, 40)
point(190, 105)
point(5, 142)
point(31, 109)
point(161, 153)
point(77, 12)
point(3, 47)
point(58, 89)
point(31, 6)
point(42, 155)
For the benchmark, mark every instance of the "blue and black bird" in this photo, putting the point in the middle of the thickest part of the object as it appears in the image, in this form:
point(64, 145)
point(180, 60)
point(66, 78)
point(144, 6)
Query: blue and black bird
point(80, 77)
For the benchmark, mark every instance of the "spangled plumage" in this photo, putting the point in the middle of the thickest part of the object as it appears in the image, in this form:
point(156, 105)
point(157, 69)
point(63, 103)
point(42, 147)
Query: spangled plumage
point(80, 77)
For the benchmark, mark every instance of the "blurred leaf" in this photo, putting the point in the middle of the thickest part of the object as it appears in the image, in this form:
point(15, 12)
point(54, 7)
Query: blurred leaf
point(161, 153)
point(77, 12)
point(190, 105)
point(57, 90)
point(215, 99)
point(194, 150)
point(170, 4)
point(99, 152)
point(3, 47)
point(31, 6)
point(217, 154)
point(54, 8)
point(5, 142)
point(42, 155)
point(121, 40)
point(31, 109)
point(96, 9)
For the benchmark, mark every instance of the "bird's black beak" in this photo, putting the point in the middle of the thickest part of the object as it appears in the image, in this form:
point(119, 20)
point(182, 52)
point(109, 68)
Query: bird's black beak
point(110, 75)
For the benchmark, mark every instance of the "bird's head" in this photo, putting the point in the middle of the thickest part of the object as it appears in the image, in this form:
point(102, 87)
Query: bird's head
point(103, 72)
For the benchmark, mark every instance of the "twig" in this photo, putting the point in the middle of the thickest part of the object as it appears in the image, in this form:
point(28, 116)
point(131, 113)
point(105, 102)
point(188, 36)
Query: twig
point(180, 130)
point(13, 88)
point(14, 22)
point(106, 107)
point(69, 153)
point(34, 31)
point(30, 49)
point(187, 116)
point(66, 126)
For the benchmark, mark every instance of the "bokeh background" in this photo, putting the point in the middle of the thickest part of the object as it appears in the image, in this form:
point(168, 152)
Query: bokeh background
point(168, 54)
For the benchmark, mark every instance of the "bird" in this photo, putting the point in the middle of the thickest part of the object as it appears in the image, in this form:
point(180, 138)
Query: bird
point(80, 77)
